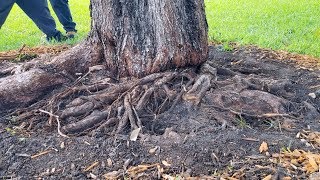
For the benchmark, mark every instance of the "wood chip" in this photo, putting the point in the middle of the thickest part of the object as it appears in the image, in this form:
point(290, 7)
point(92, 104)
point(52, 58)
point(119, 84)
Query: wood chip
point(250, 139)
point(269, 177)
point(62, 145)
point(263, 147)
point(22, 155)
point(153, 150)
point(109, 162)
point(91, 166)
point(166, 163)
point(92, 176)
point(134, 134)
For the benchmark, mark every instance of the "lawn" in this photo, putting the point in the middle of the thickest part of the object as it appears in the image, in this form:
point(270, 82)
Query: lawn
point(291, 25)
point(19, 29)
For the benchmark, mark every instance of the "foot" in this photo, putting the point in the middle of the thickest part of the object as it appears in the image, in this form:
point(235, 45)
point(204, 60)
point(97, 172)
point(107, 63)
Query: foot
point(71, 34)
point(58, 37)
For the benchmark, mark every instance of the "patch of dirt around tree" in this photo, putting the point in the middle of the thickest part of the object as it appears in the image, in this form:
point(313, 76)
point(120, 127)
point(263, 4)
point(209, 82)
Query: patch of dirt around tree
point(26, 53)
point(253, 100)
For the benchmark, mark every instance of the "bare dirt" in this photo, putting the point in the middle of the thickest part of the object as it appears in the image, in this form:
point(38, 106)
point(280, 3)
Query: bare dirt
point(259, 96)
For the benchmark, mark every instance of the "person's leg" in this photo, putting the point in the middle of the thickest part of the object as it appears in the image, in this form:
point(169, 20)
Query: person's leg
point(39, 12)
point(62, 10)
point(5, 8)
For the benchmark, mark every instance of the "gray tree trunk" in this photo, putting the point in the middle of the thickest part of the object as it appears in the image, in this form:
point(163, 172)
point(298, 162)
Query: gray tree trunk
point(132, 38)
point(140, 37)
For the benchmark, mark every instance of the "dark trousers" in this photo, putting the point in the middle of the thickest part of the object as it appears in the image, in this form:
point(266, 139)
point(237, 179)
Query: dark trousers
point(37, 10)
point(62, 10)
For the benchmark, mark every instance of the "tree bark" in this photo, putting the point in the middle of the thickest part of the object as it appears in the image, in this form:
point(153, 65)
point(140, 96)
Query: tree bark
point(130, 38)
point(141, 37)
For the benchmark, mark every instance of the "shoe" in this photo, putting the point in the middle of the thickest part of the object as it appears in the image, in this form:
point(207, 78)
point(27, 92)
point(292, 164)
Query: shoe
point(58, 37)
point(71, 34)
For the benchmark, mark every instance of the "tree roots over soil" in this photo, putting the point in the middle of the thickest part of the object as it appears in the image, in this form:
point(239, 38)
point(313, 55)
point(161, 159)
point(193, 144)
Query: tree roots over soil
point(98, 102)
point(107, 102)
point(196, 115)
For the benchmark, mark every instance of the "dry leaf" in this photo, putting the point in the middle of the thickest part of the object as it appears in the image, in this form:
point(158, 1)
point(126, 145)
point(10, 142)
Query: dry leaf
point(109, 162)
point(166, 163)
point(62, 145)
point(263, 147)
point(134, 134)
point(167, 177)
point(269, 177)
point(299, 159)
point(153, 150)
point(286, 178)
point(112, 175)
point(312, 165)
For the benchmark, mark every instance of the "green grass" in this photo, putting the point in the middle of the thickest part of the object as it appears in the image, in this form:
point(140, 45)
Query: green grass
point(19, 29)
point(291, 25)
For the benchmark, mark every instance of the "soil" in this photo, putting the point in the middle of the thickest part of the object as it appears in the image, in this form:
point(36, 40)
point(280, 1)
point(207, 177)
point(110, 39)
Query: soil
point(190, 141)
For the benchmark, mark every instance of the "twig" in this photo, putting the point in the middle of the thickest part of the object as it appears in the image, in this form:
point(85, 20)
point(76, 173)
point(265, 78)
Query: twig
point(138, 119)
point(40, 154)
point(20, 50)
point(57, 118)
point(91, 166)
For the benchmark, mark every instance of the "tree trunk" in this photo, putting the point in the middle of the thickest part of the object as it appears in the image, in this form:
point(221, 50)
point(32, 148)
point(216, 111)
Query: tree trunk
point(131, 38)
point(141, 37)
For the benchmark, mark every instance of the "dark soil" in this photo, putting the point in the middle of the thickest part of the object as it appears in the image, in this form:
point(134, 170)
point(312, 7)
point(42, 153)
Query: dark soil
point(192, 139)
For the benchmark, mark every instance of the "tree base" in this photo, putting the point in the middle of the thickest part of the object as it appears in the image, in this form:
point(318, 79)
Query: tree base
point(249, 101)
point(98, 102)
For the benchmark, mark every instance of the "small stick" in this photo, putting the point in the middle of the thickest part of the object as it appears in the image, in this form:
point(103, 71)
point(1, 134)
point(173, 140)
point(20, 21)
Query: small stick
point(138, 119)
point(40, 154)
point(57, 118)
point(91, 166)
point(20, 50)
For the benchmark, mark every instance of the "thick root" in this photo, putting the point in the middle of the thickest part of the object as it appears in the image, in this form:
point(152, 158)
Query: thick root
point(131, 103)
point(88, 122)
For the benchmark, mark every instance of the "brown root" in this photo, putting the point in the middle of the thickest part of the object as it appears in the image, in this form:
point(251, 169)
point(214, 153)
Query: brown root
point(92, 120)
point(132, 102)
point(202, 84)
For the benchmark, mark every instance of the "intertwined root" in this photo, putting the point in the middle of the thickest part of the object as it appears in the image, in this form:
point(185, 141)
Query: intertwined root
point(117, 105)
point(111, 106)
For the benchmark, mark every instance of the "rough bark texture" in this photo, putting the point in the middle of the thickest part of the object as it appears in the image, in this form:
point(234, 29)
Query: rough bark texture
point(25, 83)
point(23, 89)
point(141, 37)
point(127, 38)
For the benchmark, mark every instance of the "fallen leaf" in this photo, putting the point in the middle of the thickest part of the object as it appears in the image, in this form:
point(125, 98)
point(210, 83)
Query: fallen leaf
point(313, 166)
point(62, 145)
point(286, 178)
point(153, 150)
point(109, 162)
point(168, 177)
point(133, 171)
point(263, 147)
point(269, 177)
point(166, 163)
point(93, 176)
point(134, 134)
point(112, 175)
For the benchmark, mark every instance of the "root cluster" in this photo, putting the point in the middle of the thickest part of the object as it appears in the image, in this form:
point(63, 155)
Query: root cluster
point(111, 105)
point(103, 104)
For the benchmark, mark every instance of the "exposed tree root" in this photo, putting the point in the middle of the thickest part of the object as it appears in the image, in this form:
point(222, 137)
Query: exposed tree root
point(89, 121)
point(109, 105)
